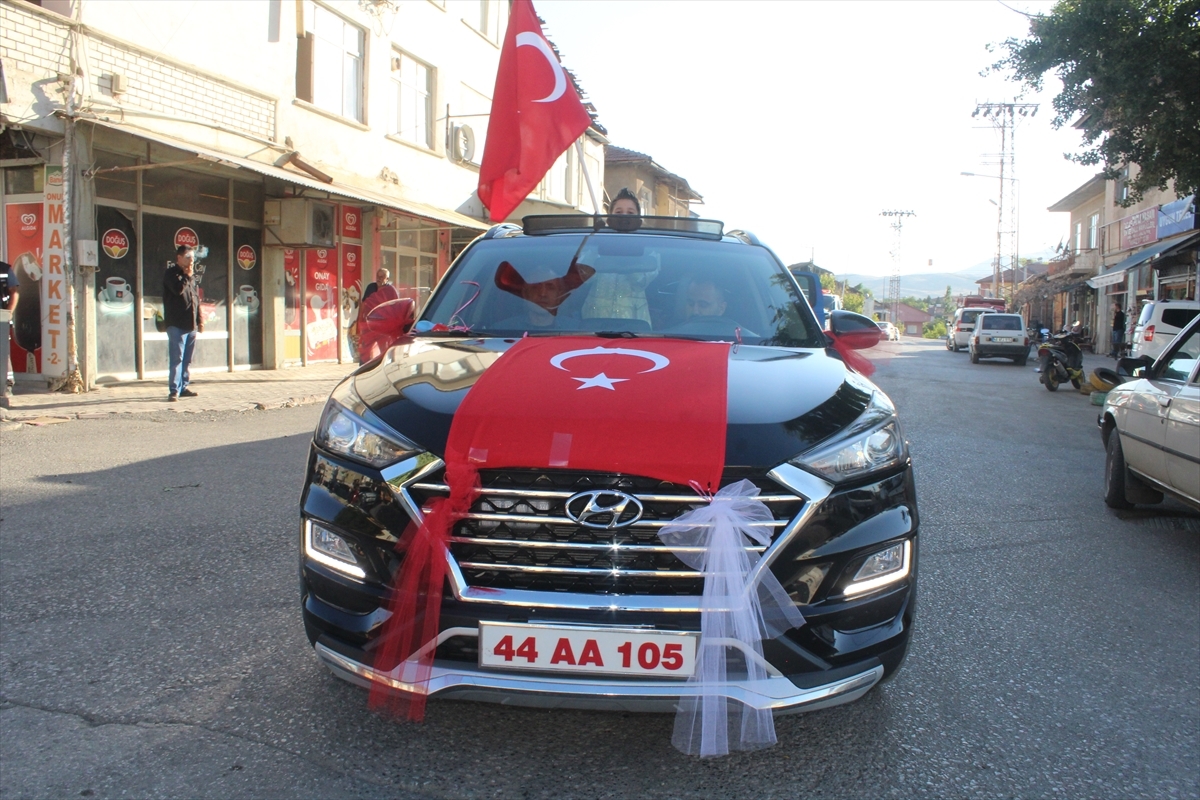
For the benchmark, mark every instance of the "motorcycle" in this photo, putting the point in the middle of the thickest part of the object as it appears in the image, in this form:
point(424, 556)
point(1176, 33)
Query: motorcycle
point(1060, 359)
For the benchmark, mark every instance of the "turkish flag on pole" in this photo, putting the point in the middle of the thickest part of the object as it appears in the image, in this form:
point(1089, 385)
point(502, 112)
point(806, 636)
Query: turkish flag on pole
point(536, 115)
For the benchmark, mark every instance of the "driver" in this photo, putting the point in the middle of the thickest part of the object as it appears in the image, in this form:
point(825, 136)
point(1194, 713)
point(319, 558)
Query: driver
point(704, 299)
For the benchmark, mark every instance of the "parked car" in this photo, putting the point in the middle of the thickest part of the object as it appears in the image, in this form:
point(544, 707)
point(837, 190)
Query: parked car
point(959, 335)
point(890, 331)
point(1158, 324)
point(999, 335)
point(563, 550)
point(1151, 428)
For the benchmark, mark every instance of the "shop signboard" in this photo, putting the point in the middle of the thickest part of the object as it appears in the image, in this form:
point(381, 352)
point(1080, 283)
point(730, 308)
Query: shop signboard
point(54, 278)
point(23, 227)
point(1177, 217)
point(351, 222)
point(352, 289)
point(1140, 228)
point(321, 303)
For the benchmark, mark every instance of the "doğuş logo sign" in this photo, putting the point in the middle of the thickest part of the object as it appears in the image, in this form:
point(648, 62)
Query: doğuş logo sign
point(246, 257)
point(186, 236)
point(115, 243)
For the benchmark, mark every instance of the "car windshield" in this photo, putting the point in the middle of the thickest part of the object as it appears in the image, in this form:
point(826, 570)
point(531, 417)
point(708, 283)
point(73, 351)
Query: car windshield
point(622, 284)
point(993, 322)
point(969, 317)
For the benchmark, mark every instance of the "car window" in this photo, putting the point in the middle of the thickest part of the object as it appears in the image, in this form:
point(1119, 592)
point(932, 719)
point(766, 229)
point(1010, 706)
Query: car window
point(995, 322)
point(969, 317)
point(1179, 365)
point(1178, 317)
point(1147, 312)
point(622, 283)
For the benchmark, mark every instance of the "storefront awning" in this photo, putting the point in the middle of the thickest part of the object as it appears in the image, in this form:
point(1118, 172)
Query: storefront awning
point(1116, 273)
point(335, 188)
point(1179, 245)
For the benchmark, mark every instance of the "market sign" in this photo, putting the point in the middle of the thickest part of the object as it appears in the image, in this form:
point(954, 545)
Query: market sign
point(115, 243)
point(54, 282)
point(1140, 228)
point(1177, 217)
point(246, 257)
point(186, 236)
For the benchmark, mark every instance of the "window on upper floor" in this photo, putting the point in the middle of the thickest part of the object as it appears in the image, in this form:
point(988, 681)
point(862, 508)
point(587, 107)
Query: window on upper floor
point(1094, 231)
point(329, 62)
point(559, 181)
point(412, 100)
point(1078, 236)
point(484, 17)
point(1121, 187)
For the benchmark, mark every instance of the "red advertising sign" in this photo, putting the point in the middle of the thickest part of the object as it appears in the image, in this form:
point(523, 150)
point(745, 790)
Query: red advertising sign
point(186, 236)
point(1140, 228)
point(23, 223)
point(351, 222)
point(352, 289)
point(291, 298)
point(321, 303)
point(115, 243)
point(246, 257)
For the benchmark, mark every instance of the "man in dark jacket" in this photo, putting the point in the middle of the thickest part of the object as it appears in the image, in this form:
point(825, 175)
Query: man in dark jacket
point(181, 311)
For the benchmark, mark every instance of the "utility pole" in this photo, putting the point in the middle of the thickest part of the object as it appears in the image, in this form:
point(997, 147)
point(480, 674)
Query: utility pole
point(1004, 117)
point(893, 297)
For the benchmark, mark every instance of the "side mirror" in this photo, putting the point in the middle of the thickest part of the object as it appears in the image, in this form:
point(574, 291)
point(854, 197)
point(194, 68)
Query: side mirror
point(1133, 367)
point(857, 331)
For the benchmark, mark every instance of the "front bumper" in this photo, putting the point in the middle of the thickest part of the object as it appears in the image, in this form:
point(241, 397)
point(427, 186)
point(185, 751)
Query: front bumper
point(451, 680)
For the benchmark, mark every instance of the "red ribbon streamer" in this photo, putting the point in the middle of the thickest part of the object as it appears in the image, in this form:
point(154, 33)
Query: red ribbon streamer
point(850, 355)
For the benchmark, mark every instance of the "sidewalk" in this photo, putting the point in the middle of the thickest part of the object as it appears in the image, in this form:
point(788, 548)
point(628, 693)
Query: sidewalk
point(216, 391)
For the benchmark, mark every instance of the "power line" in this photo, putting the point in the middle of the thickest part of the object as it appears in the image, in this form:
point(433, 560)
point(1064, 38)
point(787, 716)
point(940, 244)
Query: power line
point(894, 282)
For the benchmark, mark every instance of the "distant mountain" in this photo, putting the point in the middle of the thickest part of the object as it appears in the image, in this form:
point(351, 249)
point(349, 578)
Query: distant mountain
point(932, 284)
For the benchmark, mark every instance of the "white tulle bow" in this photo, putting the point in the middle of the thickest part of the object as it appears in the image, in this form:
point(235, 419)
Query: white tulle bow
point(713, 539)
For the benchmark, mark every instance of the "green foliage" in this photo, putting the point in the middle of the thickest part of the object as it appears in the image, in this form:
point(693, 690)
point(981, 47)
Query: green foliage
point(828, 282)
point(934, 330)
point(948, 304)
point(852, 301)
point(1129, 73)
point(916, 302)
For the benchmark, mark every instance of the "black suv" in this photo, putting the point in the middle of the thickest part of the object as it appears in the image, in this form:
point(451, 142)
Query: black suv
point(820, 441)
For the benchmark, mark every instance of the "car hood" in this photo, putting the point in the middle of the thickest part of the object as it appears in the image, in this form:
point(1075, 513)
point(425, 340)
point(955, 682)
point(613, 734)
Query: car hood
point(781, 401)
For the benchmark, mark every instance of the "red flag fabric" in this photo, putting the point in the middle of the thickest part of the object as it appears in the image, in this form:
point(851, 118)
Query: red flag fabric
point(655, 408)
point(536, 115)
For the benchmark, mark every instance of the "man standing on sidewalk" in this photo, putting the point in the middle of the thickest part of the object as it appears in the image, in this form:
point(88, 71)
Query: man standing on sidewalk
point(181, 311)
point(1118, 331)
point(10, 290)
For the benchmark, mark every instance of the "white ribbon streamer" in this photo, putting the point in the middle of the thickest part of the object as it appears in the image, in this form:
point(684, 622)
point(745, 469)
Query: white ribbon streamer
point(731, 608)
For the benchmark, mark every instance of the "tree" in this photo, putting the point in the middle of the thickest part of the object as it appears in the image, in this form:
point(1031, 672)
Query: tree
point(948, 304)
point(852, 301)
point(828, 282)
point(1128, 69)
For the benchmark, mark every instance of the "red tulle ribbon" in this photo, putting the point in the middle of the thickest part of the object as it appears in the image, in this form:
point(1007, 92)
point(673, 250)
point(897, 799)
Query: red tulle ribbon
point(416, 600)
point(850, 355)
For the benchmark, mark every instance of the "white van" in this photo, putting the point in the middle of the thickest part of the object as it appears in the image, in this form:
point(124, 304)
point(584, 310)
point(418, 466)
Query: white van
point(959, 335)
point(1158, 323)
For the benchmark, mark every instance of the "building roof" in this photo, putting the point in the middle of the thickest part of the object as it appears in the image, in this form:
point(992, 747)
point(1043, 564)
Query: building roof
point(1006, 276)
point(907, 313)
point(620, 155)
point(1075, 199)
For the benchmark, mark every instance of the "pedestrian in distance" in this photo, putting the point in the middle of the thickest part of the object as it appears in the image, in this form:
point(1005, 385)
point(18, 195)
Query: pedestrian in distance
point(184, 319)
point(382, 278)
point(1118, 331)
point(10, 291)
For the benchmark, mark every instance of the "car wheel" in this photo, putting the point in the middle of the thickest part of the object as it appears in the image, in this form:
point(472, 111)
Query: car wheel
point(974, 357)
point(1021, 361)
point(1114, 473)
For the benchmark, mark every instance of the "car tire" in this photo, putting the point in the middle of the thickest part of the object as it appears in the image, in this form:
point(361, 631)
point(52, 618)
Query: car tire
point(1021, 361)
point(974, 356)
point(1104, 379)
point(1114, 473)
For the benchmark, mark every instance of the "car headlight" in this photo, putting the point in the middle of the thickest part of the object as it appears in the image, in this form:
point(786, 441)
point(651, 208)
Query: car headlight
point(872, 442)
point(348, 429)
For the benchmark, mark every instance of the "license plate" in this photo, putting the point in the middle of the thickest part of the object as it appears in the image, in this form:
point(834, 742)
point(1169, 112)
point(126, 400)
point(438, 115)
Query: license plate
point(603, 651)
point(1003, 339)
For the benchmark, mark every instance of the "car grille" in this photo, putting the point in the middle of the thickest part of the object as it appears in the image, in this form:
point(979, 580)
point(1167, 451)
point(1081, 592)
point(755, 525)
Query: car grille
point(518, 534)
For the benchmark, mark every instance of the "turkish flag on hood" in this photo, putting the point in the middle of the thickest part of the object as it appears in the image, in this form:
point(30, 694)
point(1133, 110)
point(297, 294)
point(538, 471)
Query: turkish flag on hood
point(536, 115)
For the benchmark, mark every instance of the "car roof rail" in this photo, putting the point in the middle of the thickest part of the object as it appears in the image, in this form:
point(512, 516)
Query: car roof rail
point(744, 236)
point(691, 227)
point(503, 229)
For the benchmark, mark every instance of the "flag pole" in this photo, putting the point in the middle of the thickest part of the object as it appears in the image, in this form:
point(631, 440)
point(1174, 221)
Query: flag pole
point(587, 176)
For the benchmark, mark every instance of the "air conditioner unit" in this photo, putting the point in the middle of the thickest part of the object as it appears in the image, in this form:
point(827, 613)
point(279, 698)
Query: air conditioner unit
point(301, 222)
point(461, 148)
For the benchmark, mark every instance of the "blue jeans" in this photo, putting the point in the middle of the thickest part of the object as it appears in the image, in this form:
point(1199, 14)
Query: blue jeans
point(180, 344)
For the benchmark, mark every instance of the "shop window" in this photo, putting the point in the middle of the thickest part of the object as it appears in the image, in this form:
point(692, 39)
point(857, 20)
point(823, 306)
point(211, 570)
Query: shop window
point(412, 92)
point(115, 185)
point(410, 255)
point(329, 62)
point(24, 180)
point(248, 201)
point(185, 191)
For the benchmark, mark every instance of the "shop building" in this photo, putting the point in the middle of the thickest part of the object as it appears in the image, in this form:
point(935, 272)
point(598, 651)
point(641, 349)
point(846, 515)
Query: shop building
point(299, 145)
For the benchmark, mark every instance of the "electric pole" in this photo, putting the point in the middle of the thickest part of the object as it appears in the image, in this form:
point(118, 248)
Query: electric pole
point(1004, 118)
point(893, 298)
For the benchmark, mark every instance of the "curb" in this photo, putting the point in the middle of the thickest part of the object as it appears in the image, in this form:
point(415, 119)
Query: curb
point(11, 422)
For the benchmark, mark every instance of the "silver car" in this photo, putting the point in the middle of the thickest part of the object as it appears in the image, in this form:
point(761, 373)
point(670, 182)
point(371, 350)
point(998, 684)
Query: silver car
point(1151, 428)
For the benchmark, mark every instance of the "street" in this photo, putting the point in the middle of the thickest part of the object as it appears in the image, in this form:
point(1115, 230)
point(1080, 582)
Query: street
point(152, 643)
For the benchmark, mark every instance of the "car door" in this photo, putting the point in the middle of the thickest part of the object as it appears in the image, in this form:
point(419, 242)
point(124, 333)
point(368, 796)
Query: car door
point(1181, 445)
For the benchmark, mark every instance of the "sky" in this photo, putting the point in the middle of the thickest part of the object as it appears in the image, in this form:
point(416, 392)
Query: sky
point(802, 121)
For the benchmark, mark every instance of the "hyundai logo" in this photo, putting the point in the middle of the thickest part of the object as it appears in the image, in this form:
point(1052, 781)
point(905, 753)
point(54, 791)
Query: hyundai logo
point(604, 509)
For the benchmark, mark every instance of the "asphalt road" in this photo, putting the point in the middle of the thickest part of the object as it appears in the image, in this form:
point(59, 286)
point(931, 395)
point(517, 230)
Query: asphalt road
point(151, 645)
